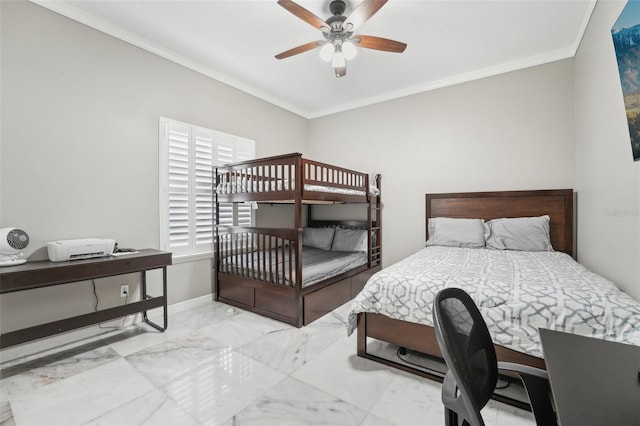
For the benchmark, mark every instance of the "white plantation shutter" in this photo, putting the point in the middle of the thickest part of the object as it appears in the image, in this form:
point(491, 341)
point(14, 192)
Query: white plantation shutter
point(178, 187)
point(244, 151)
point(231, 149)
point(188, 154)
point(225, 155)
point(203, 190)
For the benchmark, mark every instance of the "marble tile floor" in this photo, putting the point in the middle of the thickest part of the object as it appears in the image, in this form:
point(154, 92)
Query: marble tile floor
point(218, 365)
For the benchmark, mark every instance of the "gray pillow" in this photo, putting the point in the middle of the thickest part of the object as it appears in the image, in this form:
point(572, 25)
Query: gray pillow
point(521, 233)
point(318, 237)
point(453, 232)
point(350, 240)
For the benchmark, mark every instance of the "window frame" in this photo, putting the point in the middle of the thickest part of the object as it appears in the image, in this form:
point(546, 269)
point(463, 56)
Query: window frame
point(224, 148)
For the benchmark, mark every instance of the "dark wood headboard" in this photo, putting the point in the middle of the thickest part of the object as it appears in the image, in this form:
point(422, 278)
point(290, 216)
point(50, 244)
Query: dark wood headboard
point(557, 203)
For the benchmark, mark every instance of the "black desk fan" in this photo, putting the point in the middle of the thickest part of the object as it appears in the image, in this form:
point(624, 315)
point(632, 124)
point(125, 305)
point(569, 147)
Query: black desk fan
point(12, 242)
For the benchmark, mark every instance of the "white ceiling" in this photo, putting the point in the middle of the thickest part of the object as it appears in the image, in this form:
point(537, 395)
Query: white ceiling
point(449, 42)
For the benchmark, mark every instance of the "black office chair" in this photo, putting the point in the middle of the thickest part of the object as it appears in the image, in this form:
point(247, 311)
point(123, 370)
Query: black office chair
point(470, 355)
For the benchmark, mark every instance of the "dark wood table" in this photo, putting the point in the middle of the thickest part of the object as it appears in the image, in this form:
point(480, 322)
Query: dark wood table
point(32, 275)
point(593, 381)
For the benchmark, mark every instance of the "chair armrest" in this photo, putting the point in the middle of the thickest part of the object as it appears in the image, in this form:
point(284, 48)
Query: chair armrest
point(449, 390)
point(523, 369)
point(536, 384)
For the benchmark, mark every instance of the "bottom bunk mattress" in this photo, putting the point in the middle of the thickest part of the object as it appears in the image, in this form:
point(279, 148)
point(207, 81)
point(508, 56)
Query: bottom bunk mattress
point(273, 265)
point(516, 291)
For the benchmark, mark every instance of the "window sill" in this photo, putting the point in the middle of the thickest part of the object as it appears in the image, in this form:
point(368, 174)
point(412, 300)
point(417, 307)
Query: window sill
point(186, 258)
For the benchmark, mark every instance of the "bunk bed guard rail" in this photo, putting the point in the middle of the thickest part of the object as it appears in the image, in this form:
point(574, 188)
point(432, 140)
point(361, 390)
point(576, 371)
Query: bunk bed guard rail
point(279, 174)
point(263, 254)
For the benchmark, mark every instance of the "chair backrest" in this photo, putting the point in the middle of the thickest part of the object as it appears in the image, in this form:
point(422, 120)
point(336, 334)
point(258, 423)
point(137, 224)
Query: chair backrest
point(467, 349)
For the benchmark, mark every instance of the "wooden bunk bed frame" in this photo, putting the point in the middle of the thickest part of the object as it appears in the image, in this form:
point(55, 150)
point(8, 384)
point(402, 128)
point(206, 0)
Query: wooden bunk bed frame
point(263, 288)
point(558, 204)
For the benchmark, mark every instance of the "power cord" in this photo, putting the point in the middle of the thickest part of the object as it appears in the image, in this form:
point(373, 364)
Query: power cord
point(95, 308)
point(402, 351)
point(507, 381)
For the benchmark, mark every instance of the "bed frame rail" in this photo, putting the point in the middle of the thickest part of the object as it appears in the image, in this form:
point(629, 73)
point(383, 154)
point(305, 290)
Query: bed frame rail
point(269, 255)
point(316, 173)
point(264, 178)
point(276, 178)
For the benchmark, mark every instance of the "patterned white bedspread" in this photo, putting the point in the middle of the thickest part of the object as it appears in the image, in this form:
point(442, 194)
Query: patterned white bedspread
point(517, 292)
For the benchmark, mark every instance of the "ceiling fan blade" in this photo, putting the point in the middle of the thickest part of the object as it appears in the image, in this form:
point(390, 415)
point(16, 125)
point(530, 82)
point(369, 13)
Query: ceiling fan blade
point(302, 13)
point(379, 43)
point(362, 13)
point(300, 49)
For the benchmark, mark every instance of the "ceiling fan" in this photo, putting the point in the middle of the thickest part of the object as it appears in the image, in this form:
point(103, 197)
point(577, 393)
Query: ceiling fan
point(340, 42)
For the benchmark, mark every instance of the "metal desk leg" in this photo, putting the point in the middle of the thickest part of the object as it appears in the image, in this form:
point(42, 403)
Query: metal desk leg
point(164, 301)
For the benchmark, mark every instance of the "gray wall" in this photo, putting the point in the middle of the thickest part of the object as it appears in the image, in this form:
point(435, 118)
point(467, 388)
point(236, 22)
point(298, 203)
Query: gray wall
point(511, 131)
point(79, 153)
point(607, 178)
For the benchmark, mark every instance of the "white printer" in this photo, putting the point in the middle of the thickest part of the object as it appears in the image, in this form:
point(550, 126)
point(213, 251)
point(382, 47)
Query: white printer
point(83, 248)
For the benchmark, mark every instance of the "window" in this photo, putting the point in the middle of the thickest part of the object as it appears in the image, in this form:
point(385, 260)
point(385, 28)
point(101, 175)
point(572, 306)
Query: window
point(188, 154)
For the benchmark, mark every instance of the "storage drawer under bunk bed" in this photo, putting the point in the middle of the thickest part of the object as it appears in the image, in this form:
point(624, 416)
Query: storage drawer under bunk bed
point(285, 305)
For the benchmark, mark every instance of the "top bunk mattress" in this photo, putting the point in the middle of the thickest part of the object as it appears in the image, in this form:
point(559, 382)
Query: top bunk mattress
point(243, 186)
point(516, 291)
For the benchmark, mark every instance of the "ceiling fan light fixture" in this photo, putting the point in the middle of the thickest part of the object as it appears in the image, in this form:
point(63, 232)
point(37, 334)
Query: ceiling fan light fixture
point(349, 50)
point(338, 60)
point(326, 52)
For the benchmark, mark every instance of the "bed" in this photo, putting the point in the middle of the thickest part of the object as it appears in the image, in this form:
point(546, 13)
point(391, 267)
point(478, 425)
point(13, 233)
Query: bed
point(290, 178)
point(517, 290)
point(300, 273)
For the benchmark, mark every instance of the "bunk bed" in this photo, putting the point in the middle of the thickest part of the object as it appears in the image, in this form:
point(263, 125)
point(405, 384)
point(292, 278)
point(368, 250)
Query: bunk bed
point(300, 273)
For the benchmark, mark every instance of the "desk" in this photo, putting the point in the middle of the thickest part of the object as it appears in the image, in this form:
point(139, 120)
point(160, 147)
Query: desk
point(593, 381)
point(39, 274)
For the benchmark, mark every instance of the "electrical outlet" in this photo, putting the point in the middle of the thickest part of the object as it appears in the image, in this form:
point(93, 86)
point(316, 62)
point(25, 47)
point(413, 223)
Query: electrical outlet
point(124, 290)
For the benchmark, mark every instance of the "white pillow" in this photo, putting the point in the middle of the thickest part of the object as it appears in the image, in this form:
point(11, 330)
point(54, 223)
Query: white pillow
point(318, 237)
point(352, 240)
point(521, 233)
point(453, 232)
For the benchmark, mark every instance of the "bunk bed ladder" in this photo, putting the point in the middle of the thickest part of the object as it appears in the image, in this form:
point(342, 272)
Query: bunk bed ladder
point(216, 236)
point(374, 220)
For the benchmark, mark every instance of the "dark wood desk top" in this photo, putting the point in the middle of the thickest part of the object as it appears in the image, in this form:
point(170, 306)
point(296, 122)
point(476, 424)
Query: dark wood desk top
point(594, 381)
point(45, 273)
